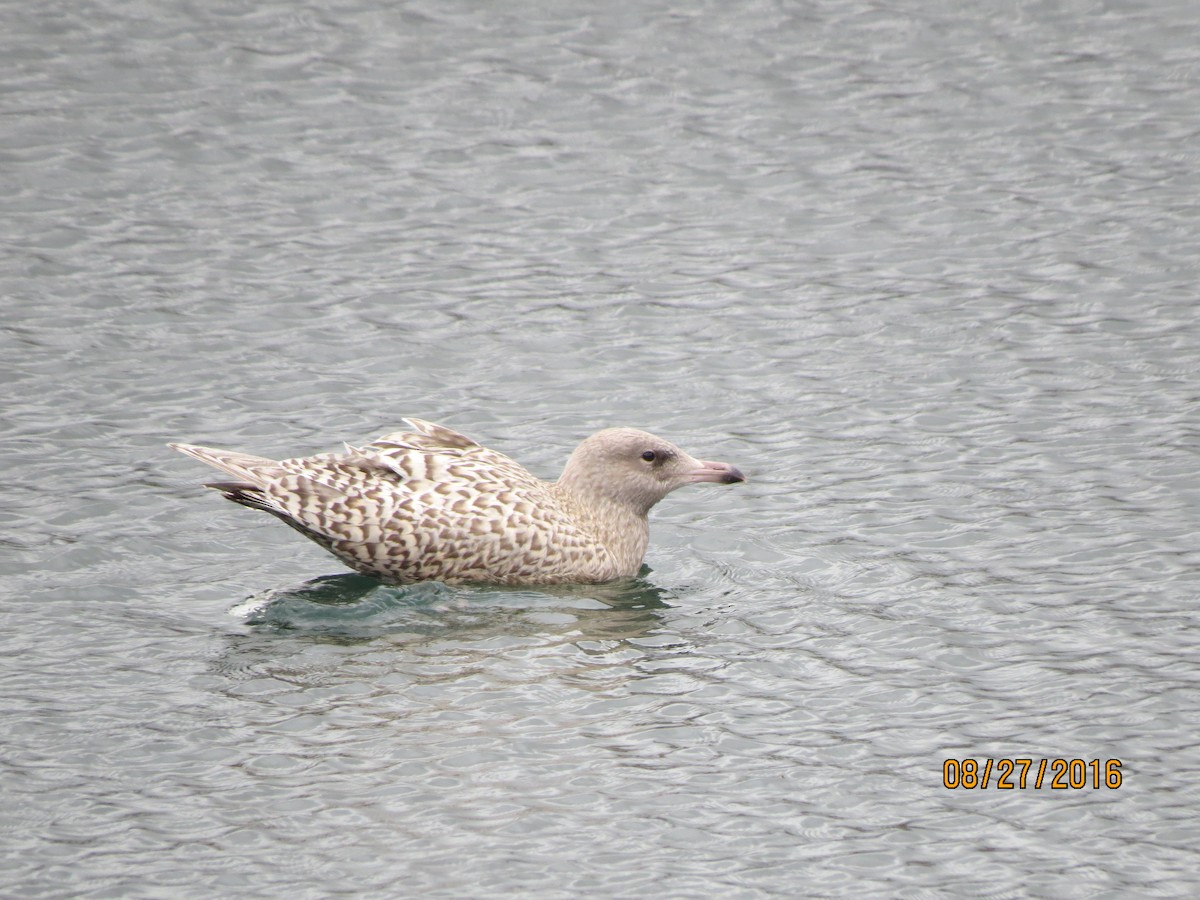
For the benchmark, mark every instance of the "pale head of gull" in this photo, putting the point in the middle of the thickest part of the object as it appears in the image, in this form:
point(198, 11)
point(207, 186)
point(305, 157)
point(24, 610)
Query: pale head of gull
point(633, 470)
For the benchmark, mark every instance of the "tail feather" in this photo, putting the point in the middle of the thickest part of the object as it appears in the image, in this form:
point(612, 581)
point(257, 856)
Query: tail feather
point(254, 476)
point(246, 494)
point(253, 497)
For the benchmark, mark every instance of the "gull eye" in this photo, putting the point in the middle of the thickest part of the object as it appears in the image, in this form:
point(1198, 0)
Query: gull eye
point(649, 456)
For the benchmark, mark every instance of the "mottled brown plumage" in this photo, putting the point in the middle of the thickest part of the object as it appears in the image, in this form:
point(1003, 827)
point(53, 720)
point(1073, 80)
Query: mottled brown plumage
point(431, 504)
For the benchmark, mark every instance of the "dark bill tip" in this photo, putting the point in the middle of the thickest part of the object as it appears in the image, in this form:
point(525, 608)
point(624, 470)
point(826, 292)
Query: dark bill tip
point(716, 473)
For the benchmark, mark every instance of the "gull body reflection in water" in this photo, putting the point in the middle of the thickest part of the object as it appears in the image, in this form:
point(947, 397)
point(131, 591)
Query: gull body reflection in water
point(357, 606)
point(430, 687)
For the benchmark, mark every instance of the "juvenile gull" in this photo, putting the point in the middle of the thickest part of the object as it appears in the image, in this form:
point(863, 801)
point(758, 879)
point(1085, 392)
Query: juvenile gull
point(431, 504)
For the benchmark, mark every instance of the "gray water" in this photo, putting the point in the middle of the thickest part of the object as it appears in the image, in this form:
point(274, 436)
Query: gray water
point(926, 271)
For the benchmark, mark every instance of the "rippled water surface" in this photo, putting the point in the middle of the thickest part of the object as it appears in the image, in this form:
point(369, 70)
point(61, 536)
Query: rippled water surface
point(927, 272)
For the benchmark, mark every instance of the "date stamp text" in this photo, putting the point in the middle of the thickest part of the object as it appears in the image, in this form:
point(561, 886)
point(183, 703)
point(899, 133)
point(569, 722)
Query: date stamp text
point(1022, 773)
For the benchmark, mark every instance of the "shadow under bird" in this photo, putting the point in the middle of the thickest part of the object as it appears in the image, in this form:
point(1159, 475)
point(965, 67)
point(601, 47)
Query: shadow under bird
point(433, 505)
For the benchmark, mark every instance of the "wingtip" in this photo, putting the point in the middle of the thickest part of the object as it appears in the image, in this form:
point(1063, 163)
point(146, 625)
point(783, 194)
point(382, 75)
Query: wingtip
point(187, 449)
